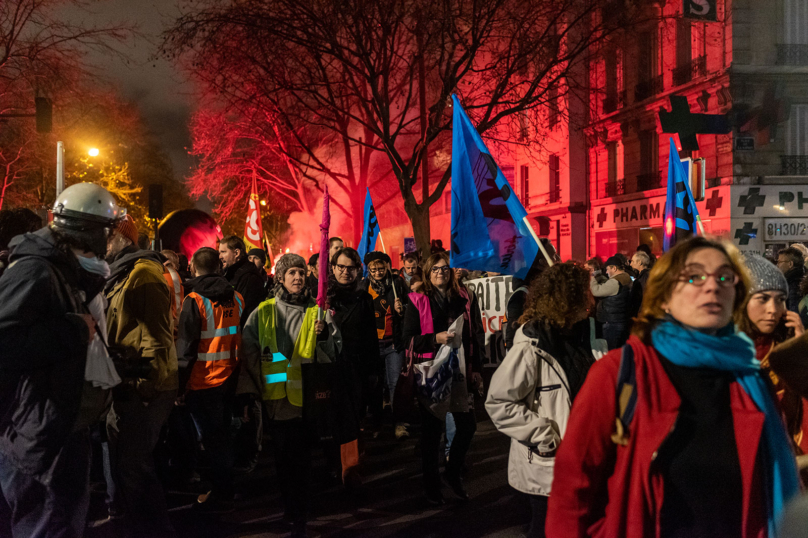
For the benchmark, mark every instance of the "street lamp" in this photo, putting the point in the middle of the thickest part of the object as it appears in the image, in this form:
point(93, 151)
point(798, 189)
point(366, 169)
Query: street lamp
point(93, 152)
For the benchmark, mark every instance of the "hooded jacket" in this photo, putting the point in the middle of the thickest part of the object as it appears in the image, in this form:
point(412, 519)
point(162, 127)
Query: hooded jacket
point(43, 351)
point(218, 290)
point(247, 280)
point(530, 399)
point(139, 316)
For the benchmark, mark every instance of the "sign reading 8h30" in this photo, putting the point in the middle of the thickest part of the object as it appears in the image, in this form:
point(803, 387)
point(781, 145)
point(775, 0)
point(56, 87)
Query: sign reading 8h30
point(785, 229)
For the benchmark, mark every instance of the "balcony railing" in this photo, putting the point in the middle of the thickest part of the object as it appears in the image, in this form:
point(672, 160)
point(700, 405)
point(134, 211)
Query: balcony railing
point(794, 165)
point(614, 188)
point(792, 54)
point(696, 67)
point(647, 182)
point(647, 88)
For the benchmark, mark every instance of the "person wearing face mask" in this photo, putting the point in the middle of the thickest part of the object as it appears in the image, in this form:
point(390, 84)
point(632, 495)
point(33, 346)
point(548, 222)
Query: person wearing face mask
point(282, 334)
point(766, 320)
point(677, 434)
point(54, 368)
point(426, 321)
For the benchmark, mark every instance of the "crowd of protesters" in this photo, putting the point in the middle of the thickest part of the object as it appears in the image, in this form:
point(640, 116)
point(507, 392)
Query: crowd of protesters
point(642, 396)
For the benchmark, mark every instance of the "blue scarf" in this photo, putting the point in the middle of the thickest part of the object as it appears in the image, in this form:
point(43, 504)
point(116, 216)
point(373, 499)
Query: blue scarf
point(734, 352)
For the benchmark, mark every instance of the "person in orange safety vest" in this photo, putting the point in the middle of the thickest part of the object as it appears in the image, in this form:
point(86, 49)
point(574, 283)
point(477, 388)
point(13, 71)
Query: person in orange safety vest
point(209, 339)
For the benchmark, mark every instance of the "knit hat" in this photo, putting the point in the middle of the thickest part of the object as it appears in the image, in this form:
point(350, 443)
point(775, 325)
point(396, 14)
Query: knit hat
point(127, 227)
point(286, 262)
point(260, 253)
point(376, 257)
point(765, 276)
point(616, 261)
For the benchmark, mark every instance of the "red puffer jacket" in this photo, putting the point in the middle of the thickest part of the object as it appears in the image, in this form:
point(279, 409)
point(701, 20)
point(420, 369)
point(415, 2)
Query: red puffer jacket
point(602, 490)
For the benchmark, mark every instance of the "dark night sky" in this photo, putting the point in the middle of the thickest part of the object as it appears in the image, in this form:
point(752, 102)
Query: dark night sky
point(161, 91)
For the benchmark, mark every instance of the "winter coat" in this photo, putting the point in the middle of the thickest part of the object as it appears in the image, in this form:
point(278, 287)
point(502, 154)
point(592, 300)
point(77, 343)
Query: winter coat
point(354, 316)
point(139, 317)
point(402, 291)
point(529, 400)
point(636, 294)
point(43, 351)
point(794, 278)
point(609, 490)
point(441, 320)
point(247, 280)
point(614, 294)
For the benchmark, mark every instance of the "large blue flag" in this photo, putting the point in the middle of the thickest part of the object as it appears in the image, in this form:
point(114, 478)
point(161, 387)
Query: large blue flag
point(490, 231)
point(370, 230)
point(681, 214)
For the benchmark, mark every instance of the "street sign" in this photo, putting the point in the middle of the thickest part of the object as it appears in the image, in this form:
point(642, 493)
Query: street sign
point(744, 143)
point(703, 10)
point(785, 229)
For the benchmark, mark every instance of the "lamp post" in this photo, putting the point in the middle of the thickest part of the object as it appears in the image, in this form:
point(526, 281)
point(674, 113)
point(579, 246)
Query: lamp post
point(60, 168)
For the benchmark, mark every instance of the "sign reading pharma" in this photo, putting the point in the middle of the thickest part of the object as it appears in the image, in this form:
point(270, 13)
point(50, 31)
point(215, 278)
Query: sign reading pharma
point(648, 212)
point(768, 214)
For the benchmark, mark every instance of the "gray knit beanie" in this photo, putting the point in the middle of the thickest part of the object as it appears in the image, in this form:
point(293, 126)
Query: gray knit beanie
point(286, 262)
point(765, 276)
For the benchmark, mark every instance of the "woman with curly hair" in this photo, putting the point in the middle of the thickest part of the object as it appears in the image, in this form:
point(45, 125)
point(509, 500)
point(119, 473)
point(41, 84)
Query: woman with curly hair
point(532, 390)
point(677, 433)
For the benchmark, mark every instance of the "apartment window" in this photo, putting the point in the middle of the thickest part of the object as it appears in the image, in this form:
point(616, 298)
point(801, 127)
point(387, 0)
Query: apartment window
point(682, 73)
point(611, 150)
point(555, 183)
point(524, 179)
point(648, 82)
point(794, 47)
point(649, 161)
point(552, 104)
point(610, 103)
point(795, 160)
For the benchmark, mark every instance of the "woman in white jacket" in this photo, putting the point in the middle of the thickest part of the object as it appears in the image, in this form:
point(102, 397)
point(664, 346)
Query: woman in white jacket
point(532, 390)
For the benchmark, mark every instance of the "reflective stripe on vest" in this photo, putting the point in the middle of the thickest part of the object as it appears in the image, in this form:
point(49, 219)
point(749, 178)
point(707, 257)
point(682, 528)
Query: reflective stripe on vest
point(282, 376)
point(219, 341)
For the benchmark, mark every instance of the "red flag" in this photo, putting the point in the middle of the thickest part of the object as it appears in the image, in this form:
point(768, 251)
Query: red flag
point(322, 285)
point(253, 231)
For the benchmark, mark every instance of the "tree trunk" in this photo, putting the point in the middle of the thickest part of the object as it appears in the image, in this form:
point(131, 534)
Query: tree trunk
point(419, 216)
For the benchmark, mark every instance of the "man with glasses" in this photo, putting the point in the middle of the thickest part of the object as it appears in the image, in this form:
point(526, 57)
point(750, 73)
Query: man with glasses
point(389, 299)
point(614, 308)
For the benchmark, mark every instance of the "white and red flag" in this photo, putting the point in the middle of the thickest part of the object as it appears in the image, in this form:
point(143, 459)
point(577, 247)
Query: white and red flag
point(253, 231)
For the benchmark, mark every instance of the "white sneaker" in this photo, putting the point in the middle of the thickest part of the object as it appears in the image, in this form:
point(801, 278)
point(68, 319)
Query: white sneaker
point(401, 431)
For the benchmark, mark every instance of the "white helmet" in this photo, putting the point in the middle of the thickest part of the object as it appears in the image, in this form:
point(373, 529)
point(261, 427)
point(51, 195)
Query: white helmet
point(85, 212)
point(86, 204)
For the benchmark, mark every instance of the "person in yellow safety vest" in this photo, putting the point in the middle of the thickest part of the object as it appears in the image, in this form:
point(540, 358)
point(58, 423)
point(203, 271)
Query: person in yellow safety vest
point(174, 281)
point(280, 335)
point(209, 340)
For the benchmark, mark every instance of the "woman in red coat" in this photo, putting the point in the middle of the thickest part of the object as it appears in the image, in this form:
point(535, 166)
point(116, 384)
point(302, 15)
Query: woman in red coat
point(705, 454)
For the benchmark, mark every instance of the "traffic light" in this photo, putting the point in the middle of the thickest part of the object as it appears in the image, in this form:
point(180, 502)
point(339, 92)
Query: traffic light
point(44, 115)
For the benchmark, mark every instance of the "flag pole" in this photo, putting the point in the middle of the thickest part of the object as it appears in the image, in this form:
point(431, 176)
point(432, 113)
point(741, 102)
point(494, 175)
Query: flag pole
point(701, 226)
point(538, 241)
point(382, 240)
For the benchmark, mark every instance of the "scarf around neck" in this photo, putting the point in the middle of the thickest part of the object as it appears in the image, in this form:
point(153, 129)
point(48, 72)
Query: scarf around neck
point(297, 299)
point(734, 352)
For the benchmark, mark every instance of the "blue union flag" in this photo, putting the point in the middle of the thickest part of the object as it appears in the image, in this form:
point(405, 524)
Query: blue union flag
point(490, 231)
point(681, 214)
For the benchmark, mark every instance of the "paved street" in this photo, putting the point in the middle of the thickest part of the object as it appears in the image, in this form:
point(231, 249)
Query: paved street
point(391, 506)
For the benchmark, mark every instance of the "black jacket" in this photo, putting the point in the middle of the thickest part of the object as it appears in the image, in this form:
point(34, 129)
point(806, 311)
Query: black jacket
point(389, 298)
point(794, 278)
point(441, 315)
point(615, 308)
point(218, 290)
point(636, 293)
point(355, 317)
point(43, 350)
point(247, 280)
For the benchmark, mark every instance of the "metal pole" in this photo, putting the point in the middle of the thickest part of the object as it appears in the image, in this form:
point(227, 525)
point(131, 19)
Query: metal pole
point(60, 168)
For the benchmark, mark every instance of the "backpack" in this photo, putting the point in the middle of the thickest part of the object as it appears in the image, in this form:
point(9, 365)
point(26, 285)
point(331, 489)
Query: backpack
point(626, 392)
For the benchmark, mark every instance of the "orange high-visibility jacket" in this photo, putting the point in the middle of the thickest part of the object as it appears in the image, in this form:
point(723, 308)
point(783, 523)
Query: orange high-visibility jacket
point(219, 341)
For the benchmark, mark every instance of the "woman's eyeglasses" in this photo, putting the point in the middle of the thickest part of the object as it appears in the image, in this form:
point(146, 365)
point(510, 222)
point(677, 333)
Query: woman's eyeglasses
point(725, 277)
point(441, 269)
point(378, 270)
